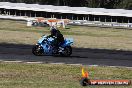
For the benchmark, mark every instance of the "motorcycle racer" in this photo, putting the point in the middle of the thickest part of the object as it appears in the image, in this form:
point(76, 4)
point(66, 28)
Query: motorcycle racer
point(58, 37)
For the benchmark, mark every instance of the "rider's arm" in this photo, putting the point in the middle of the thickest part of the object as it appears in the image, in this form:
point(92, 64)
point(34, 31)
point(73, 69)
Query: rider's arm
point(49, 36)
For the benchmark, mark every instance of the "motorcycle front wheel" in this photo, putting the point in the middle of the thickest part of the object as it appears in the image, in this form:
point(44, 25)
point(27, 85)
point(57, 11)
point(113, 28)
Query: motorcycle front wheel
point(37, 50)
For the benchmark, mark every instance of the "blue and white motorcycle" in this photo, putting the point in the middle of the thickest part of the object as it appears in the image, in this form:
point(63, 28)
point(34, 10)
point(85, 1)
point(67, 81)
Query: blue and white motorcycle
point(44, 47)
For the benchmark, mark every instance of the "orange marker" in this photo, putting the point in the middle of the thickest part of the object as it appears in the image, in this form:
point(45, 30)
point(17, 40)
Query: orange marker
point(86, 81)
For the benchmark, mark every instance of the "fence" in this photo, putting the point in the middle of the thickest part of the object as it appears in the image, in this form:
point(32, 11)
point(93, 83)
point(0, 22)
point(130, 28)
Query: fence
point(101, 24)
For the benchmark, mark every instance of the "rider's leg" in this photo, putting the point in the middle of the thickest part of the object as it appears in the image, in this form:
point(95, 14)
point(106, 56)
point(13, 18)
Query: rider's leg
point(55, 46)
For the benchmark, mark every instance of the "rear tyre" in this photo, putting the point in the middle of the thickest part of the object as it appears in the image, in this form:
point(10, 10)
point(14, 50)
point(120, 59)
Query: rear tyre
point(36, 50)
point(67, 51)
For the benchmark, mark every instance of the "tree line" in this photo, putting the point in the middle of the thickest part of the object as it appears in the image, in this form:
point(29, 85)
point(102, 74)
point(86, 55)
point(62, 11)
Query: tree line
point(109, 4)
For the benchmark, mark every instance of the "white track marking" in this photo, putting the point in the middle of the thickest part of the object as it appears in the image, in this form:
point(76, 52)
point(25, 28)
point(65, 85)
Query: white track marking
point(33, 62)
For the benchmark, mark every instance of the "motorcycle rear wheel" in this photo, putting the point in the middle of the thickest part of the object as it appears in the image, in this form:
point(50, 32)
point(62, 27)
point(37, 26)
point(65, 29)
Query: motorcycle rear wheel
point(67, 51)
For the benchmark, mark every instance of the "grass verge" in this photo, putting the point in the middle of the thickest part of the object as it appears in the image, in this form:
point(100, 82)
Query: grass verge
point(16, 75)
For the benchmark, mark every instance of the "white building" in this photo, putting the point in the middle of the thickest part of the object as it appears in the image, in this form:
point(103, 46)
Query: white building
point(65, 12)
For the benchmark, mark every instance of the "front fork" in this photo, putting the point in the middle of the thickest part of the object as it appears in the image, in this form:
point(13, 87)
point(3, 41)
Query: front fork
point(40, 48)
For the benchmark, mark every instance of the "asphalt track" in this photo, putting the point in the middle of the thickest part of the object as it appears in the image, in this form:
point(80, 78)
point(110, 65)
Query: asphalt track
point(85, 56)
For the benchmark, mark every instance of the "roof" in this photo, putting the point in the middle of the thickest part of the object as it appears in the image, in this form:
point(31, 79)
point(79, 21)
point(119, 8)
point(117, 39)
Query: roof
point(66, 9)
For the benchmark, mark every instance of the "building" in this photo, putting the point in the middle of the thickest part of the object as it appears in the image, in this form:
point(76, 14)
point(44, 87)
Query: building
point(65, 12)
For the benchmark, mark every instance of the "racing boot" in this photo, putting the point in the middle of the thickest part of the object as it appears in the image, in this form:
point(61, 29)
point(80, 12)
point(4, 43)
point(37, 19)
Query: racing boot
point(60, 49)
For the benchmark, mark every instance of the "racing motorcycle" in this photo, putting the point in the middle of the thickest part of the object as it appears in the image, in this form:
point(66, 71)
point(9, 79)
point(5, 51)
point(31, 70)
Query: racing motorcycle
point(44, 46)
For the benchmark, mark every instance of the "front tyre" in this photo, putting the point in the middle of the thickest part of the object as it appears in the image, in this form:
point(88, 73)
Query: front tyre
point(67, 51)
point(37, 50)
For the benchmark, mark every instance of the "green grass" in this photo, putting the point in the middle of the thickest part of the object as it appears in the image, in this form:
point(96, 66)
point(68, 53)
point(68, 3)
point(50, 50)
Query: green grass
point(9, 25)
point(13, 75)
point(85, 37)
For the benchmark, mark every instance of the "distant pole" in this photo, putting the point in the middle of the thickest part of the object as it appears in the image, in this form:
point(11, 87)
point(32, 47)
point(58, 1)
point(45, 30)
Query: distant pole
point(94, 18)
point(25, 13)
point(105, 18)
point(111, 19)
point(4, 12)
point(88, 17)
point(35, 14)
point(99, 18)
point(30, 13)
point(53, 16)
point(9, 11)
point(15, 12)
point(72, 17)
point(128, 20)
point(122, 19)
point(20, 13)
point(61, 17)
